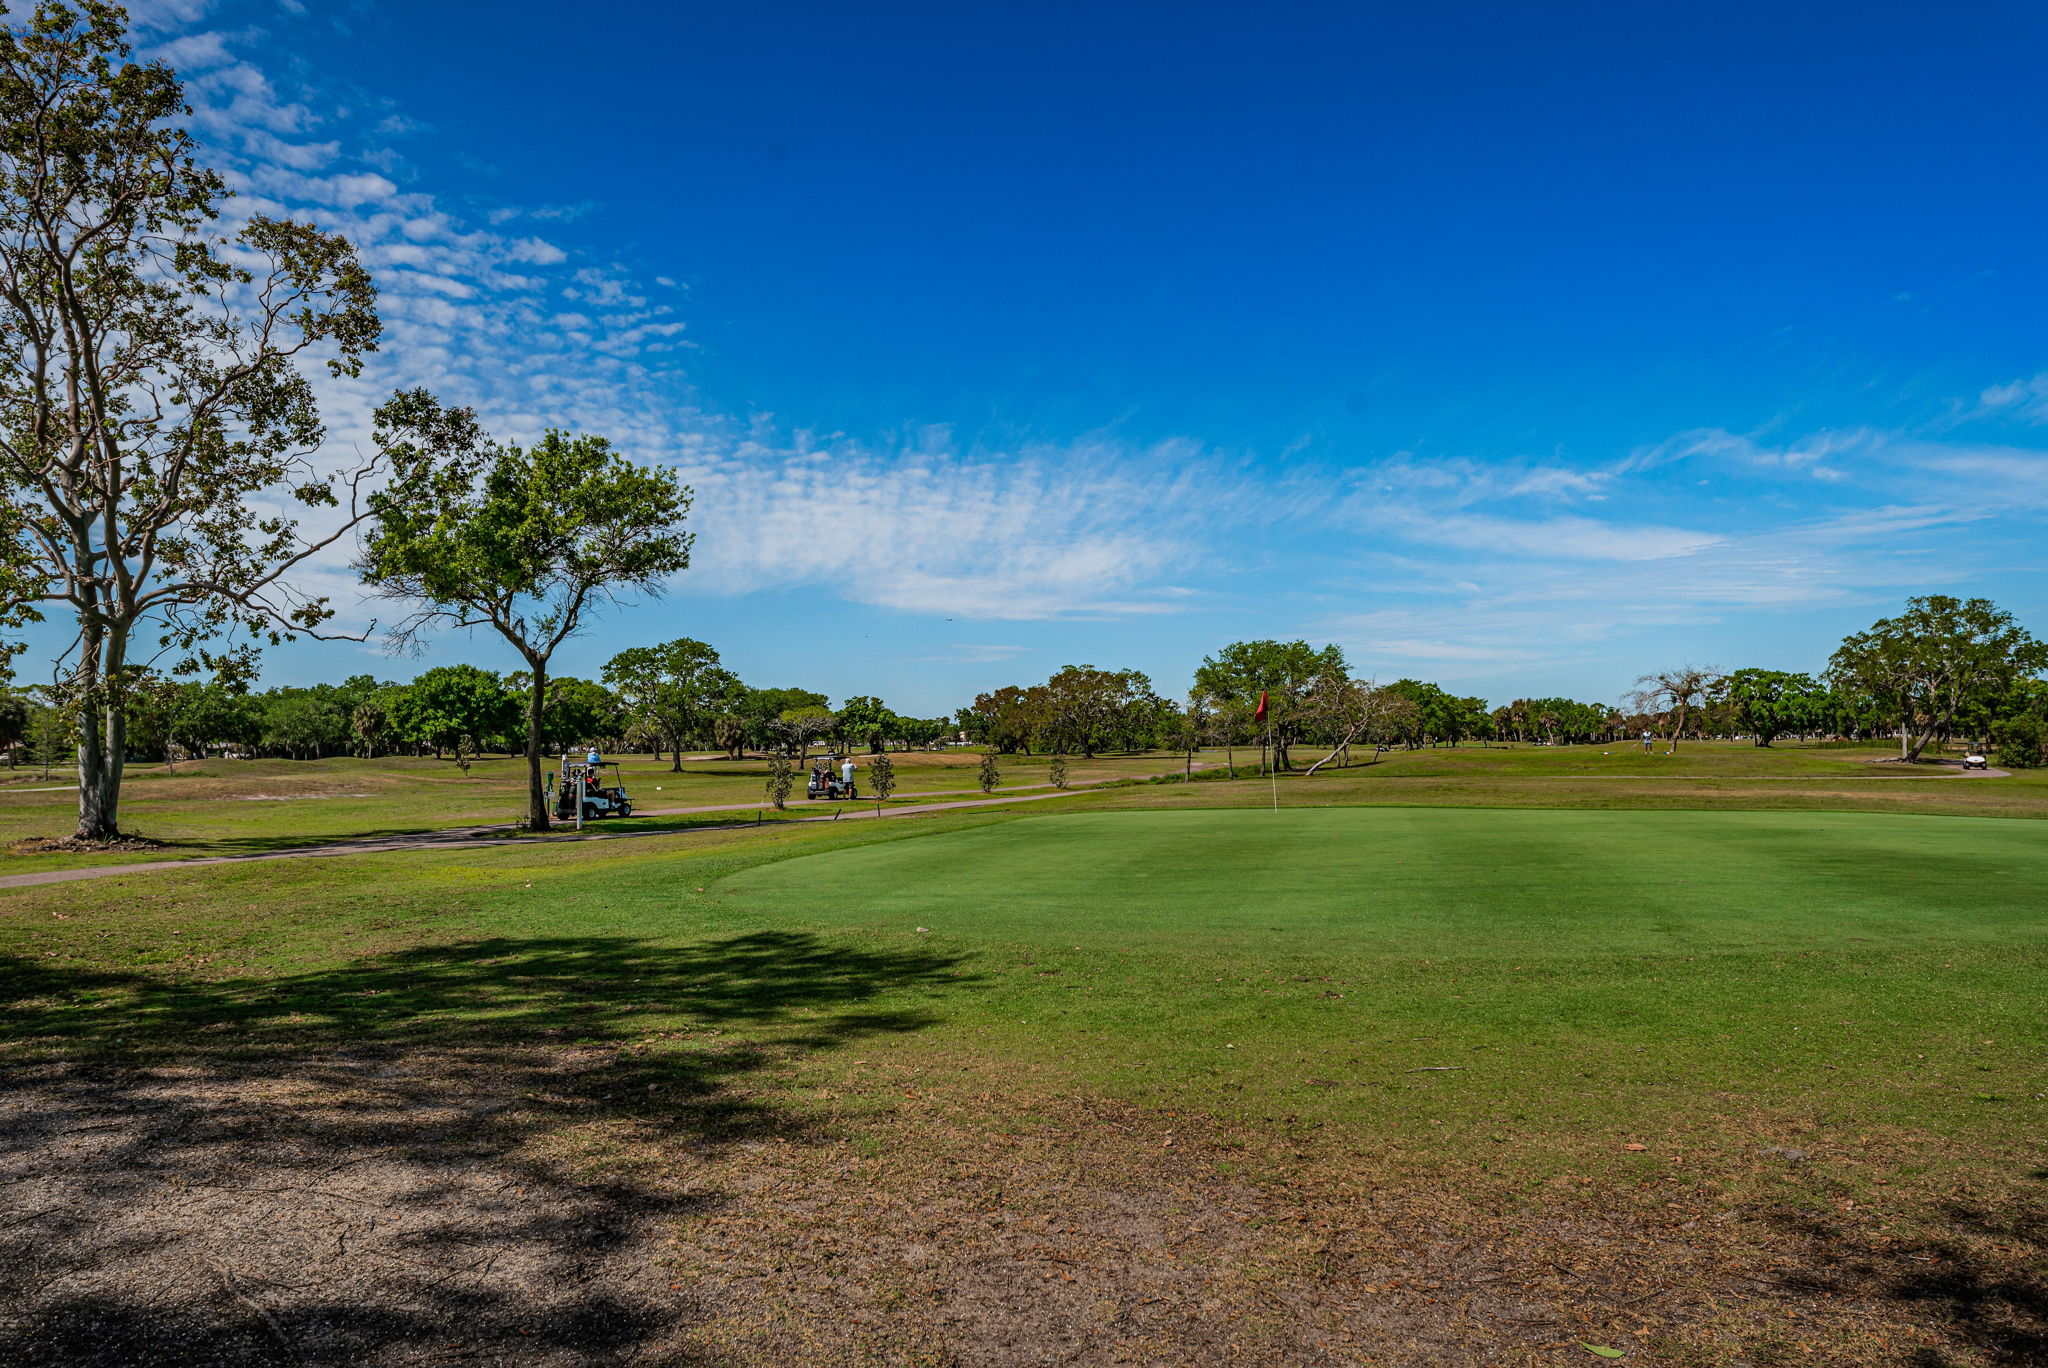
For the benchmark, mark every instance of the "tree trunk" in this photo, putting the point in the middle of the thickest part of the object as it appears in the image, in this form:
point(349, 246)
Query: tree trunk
point(536, 796)
point(100, 743)
point(676, 741)
point(102, 739)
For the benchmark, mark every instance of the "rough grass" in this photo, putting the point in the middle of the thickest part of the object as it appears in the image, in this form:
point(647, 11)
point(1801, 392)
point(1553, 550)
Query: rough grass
point(237, 807)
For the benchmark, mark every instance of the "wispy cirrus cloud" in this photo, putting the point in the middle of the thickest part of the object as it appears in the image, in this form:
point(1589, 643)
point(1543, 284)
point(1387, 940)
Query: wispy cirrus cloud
point(1043, 531)
point(487, 310)
point(2025, 399)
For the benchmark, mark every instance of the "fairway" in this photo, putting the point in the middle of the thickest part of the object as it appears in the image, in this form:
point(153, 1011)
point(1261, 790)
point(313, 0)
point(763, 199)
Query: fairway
point(1441, 882)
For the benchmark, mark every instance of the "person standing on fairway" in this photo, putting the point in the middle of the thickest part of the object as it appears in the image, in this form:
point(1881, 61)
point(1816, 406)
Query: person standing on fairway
point(1646, 740)
point(846, 771)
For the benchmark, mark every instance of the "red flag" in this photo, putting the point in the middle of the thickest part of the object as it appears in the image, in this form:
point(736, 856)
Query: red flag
point(1260, 715)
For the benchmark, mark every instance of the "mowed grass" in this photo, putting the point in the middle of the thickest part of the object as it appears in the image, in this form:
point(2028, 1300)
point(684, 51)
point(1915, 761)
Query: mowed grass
point(1566, 979)
point(1567, 976)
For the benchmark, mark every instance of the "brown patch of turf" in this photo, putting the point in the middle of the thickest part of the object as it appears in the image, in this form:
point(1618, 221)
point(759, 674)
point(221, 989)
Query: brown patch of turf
point(571, 1204)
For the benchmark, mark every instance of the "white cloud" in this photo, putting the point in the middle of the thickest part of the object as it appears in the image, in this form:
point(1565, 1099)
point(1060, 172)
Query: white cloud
point(1565, 538)
point(1817, 455)
point(1091, 530)
point(2026, 399)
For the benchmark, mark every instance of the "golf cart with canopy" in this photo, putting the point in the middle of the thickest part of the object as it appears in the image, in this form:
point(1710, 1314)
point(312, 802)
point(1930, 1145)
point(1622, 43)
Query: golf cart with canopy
point(826, 783)
point(585, 782)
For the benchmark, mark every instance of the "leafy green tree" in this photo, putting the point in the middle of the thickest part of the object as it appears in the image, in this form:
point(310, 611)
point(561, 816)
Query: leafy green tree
point(150, 702)
point(1055, 772)
point(528, 545)
point(1008, 718)
point(864, 720)
point(672, 690)
point(301, 723)
point(1934, 660)
point(1430, 716)
point(456, 708)
point(214, 713)
point(763, 709)
point(1087, 709)
point(159, 421)
point(882, 776)
point(1285, 671)
point(1770, 703)
point(797, 728)
point(990, 772)
point(580, 712)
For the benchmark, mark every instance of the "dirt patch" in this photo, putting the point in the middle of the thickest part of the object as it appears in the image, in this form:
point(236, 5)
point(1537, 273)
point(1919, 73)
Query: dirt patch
point(71, 845)
point(569, 1206)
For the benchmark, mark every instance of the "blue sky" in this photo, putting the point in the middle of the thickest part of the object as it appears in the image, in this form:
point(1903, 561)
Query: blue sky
point(1522, 348)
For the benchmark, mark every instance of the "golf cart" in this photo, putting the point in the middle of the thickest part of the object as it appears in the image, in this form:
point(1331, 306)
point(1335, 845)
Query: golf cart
point(1975, 761)
point(826, 783)
point(586, 780)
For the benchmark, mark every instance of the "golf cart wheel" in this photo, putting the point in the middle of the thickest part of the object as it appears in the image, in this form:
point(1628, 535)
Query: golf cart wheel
point(625, 809)
point(590, 812)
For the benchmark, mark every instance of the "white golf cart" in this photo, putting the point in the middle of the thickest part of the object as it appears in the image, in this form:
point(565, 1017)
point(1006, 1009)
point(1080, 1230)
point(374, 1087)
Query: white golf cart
point(584, 783)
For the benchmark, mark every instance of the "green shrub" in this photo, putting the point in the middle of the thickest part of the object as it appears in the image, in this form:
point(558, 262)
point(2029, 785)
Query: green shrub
point(2020, 741)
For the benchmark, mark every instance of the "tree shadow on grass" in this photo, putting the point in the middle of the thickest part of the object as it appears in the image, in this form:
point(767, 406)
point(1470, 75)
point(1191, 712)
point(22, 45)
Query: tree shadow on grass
point(1973, 1280)
point(455, 1153)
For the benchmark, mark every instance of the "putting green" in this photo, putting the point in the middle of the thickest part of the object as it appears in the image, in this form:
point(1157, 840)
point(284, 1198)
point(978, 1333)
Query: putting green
point(1424, 881)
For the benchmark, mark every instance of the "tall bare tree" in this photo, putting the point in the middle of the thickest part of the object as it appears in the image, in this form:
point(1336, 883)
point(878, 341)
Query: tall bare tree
point(1345, 710)
point(1674, 693)
point(154, 412)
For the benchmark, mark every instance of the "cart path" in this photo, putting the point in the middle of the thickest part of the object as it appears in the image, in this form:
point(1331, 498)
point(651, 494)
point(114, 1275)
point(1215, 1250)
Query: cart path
point(466, 838)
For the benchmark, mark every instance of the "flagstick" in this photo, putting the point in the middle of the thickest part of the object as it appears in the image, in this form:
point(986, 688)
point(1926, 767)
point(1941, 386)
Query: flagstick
point(1272, 762)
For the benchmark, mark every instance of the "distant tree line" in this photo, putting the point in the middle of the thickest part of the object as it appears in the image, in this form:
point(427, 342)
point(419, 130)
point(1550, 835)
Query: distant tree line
point(1944, 670)
point(667, 699)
